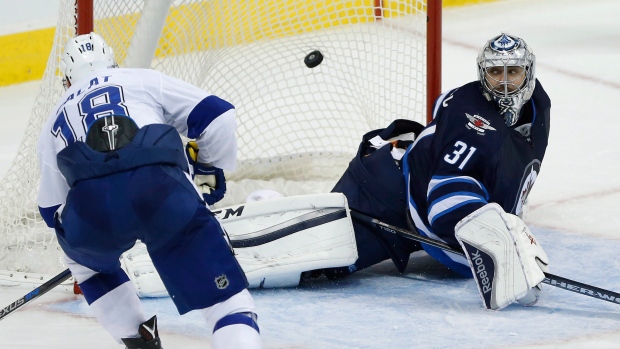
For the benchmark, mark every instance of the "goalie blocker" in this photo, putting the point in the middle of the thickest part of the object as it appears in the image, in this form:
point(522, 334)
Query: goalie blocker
point(507, 262)
point(275, 241)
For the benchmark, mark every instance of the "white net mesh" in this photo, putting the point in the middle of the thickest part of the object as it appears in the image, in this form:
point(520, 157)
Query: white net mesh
point(298, 126)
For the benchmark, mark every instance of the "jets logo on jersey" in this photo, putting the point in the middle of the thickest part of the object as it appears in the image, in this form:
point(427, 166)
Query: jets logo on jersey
point(479, 124)
point(527, 182)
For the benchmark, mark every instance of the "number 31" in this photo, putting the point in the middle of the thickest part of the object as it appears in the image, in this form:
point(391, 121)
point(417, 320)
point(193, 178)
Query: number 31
point(456, 154)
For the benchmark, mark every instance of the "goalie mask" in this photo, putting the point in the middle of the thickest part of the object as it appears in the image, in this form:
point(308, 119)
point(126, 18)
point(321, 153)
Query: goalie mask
point(85, 54)
point(506, 73)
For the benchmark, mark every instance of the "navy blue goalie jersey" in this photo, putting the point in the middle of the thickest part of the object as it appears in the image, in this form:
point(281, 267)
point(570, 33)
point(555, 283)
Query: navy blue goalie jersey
point(468, 157)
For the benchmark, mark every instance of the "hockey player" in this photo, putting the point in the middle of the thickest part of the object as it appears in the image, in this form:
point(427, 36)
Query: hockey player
point(467, 177)
point(113, 170)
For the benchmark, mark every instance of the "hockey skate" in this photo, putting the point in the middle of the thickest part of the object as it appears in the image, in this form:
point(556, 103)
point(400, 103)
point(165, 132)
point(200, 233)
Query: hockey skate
point(149, 337)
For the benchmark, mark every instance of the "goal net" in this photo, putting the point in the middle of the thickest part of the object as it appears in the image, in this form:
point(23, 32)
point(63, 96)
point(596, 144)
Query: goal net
point(298, 125)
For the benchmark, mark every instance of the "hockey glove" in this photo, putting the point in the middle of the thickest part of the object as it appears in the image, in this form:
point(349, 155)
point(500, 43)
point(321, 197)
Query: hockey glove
point(506, 261)
point(210, 180)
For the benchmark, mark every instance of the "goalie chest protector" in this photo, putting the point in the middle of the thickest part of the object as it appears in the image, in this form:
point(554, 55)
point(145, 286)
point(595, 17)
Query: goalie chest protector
point(375, 185)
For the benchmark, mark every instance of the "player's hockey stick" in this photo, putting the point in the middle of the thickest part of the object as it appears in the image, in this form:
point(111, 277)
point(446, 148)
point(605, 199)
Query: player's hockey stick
point(36, 293)
point(550, 279)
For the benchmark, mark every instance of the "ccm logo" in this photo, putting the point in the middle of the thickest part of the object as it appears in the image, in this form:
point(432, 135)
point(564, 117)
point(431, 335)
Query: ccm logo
point(229, 212)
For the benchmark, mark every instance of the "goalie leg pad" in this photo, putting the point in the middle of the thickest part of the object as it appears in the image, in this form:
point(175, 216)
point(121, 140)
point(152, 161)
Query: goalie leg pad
point(139, 267)
point(296, 234)
point(504, 257)
point(275, 241)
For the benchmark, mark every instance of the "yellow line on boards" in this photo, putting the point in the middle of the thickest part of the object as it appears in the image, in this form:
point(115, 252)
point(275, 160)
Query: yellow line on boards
point(23, 56)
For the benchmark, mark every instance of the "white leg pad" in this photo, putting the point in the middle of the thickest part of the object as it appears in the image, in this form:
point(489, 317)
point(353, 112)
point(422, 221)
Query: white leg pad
point(142, 273)
point(276, 240)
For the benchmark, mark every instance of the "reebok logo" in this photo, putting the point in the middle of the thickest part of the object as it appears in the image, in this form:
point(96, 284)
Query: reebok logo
point(483, 268)
point(481, 271)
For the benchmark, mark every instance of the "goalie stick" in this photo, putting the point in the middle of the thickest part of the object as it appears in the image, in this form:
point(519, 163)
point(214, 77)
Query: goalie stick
point(550, 279)
point(36, 293)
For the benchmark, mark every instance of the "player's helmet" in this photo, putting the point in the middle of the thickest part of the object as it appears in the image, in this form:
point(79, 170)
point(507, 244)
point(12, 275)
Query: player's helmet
point(513, 87)
point(85, 54)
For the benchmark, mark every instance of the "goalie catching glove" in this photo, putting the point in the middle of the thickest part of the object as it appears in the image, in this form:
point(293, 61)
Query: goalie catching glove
point(210, 180)
point(506, 261)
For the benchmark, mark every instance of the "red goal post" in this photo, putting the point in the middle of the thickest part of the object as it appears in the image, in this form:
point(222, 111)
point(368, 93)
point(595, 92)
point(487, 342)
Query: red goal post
point(298, 126)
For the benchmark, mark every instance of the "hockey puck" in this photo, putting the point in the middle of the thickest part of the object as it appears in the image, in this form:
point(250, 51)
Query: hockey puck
point(313, 59)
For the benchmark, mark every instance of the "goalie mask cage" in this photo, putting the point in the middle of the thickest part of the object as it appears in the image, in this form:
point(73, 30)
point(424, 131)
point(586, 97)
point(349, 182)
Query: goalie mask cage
point(296, 124)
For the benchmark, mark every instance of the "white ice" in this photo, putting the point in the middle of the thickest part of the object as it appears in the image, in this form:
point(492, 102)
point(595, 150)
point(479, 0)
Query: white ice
point(573, 212)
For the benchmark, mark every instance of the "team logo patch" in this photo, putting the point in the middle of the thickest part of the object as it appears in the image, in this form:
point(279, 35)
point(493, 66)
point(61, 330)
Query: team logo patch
point(505, 43)
point(221, 282)
point(479, 124)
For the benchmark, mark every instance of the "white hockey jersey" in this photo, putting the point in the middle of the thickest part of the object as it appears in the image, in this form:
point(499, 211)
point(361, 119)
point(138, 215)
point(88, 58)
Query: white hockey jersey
point(148, 97)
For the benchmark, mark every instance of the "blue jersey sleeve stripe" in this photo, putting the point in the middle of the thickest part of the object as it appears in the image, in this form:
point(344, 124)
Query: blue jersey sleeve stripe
point(450, 204)
point(452, 196)
point(204, 113)
point(441, 180)
point(438, 181)
point(453, 261)
point(423, 229)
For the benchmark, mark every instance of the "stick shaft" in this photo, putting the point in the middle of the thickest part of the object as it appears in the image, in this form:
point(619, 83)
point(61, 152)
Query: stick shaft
point(550, 279)
point(36, 293)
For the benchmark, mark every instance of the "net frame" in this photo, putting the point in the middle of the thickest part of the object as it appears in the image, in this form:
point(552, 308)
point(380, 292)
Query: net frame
point(29, 252)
